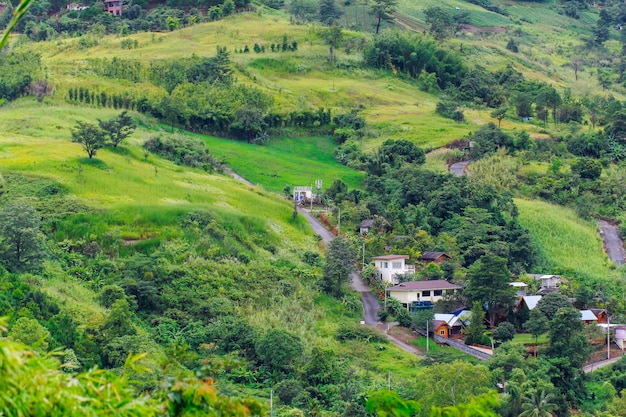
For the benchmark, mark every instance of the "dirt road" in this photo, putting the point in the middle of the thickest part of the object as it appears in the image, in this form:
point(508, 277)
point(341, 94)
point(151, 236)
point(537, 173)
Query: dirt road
point(612, 242)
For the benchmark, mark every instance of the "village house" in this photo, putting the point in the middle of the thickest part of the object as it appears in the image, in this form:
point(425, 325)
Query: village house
point(588, 317)
point(392, 267)
point(365, 226)
point(114, 7)
point(302, 193)
point(520, 288)
point(548, 283)
point(601, 314)
point(422, 291)
point(450, 325)
point(527, 302)
point(435, 257)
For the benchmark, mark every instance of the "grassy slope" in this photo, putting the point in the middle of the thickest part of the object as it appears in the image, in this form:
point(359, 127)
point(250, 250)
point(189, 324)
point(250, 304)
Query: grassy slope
point(568, 242)
point(302, 161)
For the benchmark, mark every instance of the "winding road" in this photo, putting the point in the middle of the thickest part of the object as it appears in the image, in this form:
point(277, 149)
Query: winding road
point(612, 242)
point(369, 301)
point(371, 307)
point(459, 169)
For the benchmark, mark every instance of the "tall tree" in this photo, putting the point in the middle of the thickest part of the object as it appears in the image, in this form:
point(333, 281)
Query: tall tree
point(551, 303)
point(499, 114)
point(21, 242)
point(329, 12)
point(333, 37)
point(383, 10)
point(488, 283)
point(441, 22)
point(537, 324)
point(339, 265)
point(90, 137)
point(118, 128)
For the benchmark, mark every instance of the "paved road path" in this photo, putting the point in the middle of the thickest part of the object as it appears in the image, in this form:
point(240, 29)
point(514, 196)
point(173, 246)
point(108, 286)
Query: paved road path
point(612, 242)
point(369, 301)
point(459, 168)
point(606, 362)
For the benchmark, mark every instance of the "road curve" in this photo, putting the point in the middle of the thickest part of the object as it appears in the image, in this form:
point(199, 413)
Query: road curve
point(369, 301)
point(592, 367)
point(612, 242)
point(459, 168)
point(371, 307)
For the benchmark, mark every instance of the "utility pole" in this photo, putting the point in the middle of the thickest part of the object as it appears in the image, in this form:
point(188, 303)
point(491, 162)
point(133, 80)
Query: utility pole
point(339, 223)
point(363, 261)
point(272, 403)
point(608, 335)
point(389, 381)
point(427, 335)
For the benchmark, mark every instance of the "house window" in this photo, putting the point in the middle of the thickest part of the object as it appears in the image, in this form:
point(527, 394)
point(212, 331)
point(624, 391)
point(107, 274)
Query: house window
point(396, 265)
point(425, 293)
point(385, 265)
point(438, 293)
point(442, 332)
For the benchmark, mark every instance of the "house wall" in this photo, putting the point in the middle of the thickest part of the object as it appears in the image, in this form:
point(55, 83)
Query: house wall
point(407, 297)
point(387, 272)
point(443, 331)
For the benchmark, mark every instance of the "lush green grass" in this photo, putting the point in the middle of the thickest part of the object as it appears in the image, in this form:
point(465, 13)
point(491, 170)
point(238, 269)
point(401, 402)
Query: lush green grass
point(529, 339)
point(142, 196)
point(568, 242)
point(284, 161)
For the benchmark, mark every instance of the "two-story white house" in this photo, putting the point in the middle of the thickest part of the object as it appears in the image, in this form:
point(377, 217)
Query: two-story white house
point(391, 266)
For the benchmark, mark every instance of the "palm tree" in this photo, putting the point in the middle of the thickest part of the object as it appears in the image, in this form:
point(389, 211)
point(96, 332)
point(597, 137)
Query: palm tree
point(538, 404)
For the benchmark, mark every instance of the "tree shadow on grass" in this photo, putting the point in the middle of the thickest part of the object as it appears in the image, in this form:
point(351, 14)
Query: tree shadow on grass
point(94, 163)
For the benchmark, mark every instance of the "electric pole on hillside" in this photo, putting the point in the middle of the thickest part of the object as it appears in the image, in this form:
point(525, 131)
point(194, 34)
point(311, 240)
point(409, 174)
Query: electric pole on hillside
point(318, 185)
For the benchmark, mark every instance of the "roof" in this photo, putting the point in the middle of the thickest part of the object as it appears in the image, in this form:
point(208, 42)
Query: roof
point(518, 284)
point(438, 323)
point(587, 315)
point(597, 311)
point(390, 257)
point(444, 317)
point(428, 256)
point(367, 223)
point(438, 284)
point(531, 300)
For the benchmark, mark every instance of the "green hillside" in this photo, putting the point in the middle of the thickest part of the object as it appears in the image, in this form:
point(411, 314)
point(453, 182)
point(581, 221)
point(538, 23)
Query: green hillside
point(150, 246)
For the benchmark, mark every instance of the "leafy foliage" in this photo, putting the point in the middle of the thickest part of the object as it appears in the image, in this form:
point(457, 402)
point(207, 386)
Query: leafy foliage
point(183, 150)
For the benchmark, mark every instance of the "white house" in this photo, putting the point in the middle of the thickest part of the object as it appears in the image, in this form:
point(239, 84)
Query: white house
point(302, 192)
point(390, 266)
point(433, 291)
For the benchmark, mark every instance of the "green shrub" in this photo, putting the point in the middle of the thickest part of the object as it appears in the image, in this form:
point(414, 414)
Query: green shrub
point(183, 151)
point(359, 332)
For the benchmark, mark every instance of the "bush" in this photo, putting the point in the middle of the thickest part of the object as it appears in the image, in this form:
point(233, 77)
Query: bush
point(359, 332)
point(183, 151)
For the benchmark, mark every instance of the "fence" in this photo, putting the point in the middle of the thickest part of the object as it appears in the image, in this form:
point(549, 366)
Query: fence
point(462, 347)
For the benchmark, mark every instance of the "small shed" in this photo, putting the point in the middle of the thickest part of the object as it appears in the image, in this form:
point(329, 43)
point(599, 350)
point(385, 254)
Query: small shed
point(365, 226)
point(520, 288)
point(435, 257)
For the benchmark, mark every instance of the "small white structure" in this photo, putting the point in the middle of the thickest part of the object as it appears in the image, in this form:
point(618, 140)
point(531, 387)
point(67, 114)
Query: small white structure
point(520, 288)
point(390, 266)
point(432, 291)
point(302, 192)
point(620, 336)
